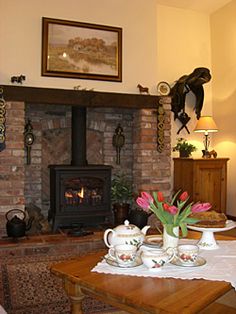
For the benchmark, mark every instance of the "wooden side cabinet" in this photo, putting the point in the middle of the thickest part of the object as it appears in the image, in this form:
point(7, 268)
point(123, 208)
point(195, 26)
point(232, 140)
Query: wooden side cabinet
point(205, 180)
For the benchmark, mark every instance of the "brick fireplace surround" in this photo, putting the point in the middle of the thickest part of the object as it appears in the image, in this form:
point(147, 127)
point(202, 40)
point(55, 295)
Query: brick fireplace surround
point(50, 113)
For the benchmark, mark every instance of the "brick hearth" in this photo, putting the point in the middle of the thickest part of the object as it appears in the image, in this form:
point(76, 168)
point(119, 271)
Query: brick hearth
point(51, 244)
point(21, 184)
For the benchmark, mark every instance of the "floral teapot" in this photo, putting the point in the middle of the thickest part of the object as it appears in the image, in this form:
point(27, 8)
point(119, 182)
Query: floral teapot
point(125, 234)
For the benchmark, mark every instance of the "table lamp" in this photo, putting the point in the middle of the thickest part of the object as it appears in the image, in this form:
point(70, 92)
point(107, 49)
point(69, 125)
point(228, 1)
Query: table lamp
point(206, 125)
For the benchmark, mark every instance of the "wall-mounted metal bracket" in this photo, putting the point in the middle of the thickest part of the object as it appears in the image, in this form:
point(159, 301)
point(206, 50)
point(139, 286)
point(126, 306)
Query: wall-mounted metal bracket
point(29, 140)
point(118, 141)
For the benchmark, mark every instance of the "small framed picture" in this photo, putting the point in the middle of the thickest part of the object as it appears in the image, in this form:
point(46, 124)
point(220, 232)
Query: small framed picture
point(81, 50)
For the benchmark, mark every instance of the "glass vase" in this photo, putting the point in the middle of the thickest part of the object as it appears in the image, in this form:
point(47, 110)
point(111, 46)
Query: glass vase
point(170, 241)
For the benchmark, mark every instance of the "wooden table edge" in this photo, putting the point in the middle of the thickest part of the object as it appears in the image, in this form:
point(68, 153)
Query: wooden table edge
point(77, 289)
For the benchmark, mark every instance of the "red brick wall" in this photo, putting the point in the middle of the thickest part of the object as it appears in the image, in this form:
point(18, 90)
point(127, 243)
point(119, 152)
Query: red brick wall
point(21, 184)
point(12, 162)
point(51, 127)
point(151, 169)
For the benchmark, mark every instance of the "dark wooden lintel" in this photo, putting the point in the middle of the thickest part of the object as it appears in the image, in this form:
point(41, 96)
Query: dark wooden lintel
point(40, 95)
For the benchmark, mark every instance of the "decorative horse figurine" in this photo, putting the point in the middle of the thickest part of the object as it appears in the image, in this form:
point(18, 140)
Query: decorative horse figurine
point(18, 79)
point(213, 153)
point(142, 89)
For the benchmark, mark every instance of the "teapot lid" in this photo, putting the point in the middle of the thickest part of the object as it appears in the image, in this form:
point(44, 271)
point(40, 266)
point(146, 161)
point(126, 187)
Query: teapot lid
point(127, 228)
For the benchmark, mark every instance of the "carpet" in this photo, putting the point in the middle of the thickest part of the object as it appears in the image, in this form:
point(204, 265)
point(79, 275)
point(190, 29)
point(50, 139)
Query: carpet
point(28, 287)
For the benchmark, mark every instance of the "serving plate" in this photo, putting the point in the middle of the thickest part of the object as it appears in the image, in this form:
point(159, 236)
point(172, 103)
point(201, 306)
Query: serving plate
point(154, 241)
point(230, 224)
point(208, 241)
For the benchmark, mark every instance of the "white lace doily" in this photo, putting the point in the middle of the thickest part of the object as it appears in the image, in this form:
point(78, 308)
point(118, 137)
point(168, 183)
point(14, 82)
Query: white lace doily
point(217, 261)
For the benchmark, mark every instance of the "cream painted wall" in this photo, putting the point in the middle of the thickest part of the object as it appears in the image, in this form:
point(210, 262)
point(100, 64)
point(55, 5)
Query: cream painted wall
point(223, 38)
point(160, 43)
point(183, 39)
point(20, 34)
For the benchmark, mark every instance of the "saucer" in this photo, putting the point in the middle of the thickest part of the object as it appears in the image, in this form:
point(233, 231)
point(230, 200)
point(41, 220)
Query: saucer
point(154, 241)
point(112, 262)
point(200, 261)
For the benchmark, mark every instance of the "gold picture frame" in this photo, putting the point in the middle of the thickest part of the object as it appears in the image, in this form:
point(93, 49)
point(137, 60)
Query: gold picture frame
point(81, 50)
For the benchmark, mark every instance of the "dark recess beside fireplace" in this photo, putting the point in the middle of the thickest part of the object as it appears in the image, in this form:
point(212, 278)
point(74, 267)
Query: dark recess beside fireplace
point(79, 193)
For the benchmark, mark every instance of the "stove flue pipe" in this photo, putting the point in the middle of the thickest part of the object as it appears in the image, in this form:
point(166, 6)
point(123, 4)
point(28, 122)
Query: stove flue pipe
point(78, 136)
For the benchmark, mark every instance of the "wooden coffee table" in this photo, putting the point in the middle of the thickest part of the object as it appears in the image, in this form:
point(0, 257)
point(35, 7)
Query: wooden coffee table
point(136, 294)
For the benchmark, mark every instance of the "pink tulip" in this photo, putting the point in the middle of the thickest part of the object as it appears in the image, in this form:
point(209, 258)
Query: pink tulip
point(200, 207)
point(171, 209)
point(160, 197)
point(146, 196)
point(144, 204)
point(183, 196)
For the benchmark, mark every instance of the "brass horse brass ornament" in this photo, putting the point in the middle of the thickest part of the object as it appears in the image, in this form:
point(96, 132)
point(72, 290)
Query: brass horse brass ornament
point(2, 120)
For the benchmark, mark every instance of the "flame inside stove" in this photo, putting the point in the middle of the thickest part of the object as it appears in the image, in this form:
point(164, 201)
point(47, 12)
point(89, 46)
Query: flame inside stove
point(68, 194)
point(81, 193)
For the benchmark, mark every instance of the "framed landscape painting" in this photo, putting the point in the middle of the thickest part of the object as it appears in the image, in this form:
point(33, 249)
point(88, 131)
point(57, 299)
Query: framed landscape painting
point(81, 50)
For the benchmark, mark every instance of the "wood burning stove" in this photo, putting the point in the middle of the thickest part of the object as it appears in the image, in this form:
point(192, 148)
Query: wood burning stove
point(79, 193)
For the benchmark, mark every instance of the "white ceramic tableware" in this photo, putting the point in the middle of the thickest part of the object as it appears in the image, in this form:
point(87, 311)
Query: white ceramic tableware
point(125, 234)
point(155, 259)
point(200, 261)
point(187, 253)
point(112, 262)
point(208, 241)
point(124, 254)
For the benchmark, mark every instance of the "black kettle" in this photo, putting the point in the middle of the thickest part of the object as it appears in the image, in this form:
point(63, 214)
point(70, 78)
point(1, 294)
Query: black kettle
point(16, 225)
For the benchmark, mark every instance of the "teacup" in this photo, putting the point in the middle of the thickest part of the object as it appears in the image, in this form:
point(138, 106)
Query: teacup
point(156, 259)
point(124, 254)
point(187, 253)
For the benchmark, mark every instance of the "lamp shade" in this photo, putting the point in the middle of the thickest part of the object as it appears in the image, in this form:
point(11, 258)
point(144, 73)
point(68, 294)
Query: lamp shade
point(206, 124)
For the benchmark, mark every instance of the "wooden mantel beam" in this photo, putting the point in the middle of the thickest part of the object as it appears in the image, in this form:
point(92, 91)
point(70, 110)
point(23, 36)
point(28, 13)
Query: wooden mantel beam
point(40, 95)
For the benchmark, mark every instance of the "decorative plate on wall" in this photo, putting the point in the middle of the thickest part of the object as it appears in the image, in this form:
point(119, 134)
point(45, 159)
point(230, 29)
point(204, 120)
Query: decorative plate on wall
point(163, 88)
